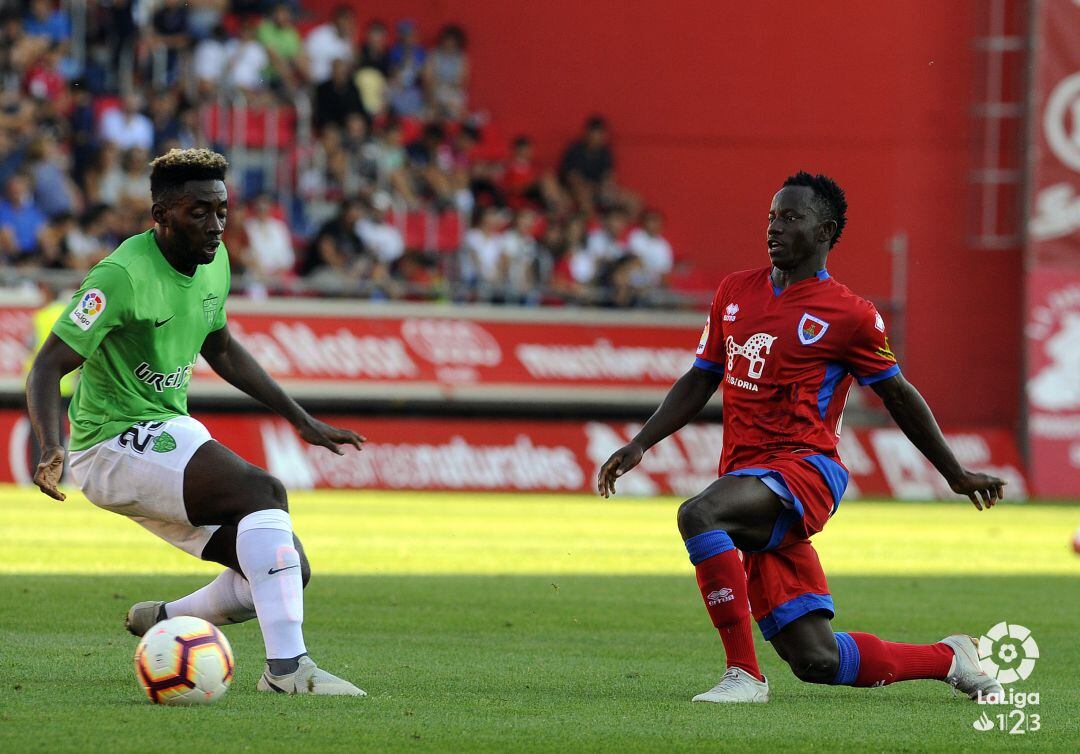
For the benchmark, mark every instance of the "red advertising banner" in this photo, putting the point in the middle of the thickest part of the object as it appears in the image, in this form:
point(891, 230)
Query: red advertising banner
point(1053, 254)
point(16, 333)
point(324, 349)
point(1053, 381)
point(548, 456)
point(1054, 225)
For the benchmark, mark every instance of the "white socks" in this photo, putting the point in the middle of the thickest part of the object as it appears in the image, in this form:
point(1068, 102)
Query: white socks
point(264, 548)
point(225, 600)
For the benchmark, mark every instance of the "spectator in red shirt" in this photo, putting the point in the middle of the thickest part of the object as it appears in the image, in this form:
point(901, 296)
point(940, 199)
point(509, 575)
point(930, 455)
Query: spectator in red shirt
point(45, 83)
point(526, 183)
point(521, 173)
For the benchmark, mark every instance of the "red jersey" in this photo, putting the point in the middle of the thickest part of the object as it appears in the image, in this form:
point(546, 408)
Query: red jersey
point(788, 358)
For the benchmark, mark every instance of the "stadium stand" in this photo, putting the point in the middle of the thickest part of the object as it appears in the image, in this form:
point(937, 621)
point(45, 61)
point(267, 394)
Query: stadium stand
point(358, 168)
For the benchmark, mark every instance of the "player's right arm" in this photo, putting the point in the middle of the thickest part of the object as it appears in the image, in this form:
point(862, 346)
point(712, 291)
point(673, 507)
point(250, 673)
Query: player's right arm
point(55, 359)
point(103, 304)
point(682, 403)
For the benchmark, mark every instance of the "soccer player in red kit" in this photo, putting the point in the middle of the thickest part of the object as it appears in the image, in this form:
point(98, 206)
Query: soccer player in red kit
point(786, 342)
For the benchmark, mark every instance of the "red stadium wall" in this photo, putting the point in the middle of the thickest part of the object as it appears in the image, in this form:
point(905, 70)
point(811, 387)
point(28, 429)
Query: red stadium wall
point(712, 104)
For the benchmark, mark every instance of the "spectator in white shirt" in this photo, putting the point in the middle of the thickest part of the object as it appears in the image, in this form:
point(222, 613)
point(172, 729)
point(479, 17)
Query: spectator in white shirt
point(128, 127)
point(581, 264)
point(603, 250)
point(248, 59)
point(210, 60)
point(334, 40)
point(607, 243)
point(270, 248)
point(519, 253)
point(480, 262)
point(381, 238)
point(653, 250)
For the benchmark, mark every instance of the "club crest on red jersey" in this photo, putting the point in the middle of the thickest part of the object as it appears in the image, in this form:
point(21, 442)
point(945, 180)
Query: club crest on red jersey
point(811, 329)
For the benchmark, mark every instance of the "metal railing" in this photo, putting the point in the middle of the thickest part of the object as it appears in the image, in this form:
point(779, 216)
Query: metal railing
point(451, 293)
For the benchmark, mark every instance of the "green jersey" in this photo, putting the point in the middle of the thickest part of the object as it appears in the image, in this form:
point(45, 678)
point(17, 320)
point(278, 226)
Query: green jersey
point(140, 325)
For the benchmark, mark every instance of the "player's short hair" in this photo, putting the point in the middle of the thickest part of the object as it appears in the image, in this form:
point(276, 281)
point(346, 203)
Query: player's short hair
point(170, 171)
point(828, 201)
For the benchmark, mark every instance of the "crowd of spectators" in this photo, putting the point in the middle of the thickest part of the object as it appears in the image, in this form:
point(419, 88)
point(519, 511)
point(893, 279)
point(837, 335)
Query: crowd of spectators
point(394, 137)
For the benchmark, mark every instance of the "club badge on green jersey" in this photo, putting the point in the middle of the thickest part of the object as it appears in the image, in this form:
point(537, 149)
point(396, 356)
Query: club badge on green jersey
point(210, 306)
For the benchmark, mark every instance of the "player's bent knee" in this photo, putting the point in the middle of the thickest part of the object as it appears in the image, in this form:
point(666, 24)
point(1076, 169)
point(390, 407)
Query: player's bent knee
point(263, 491)
point(253, 493)
point(275, 493)
point(706, 513)
point(695, 516)
point(815, 667)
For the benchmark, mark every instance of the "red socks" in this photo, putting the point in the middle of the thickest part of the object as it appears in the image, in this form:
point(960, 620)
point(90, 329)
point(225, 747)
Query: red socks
point(883, 662)
point(865, 660)
point(722, 581)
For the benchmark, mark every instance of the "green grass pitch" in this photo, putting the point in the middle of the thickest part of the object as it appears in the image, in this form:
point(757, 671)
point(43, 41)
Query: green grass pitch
point(511, 623)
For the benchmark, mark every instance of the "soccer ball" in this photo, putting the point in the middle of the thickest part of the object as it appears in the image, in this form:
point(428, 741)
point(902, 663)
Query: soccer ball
point(184, 660)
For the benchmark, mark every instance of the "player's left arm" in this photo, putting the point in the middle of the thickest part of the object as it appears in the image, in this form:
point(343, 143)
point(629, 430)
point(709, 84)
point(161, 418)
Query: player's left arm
point(910, 412)
point(871, 361)
point(237, 367)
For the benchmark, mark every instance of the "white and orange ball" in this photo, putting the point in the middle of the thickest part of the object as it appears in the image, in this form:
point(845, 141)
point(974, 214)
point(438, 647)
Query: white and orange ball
point(184, 660)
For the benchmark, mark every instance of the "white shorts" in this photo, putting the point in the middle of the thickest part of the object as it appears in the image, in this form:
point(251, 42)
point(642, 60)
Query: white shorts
point(140, 474)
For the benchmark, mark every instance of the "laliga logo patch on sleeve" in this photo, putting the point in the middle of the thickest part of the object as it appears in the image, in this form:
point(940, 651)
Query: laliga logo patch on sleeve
point(704, 336)
point(89, 308)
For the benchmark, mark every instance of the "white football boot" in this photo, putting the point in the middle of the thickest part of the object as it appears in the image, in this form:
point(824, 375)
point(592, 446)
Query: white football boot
point(308, 679)
point(736, 686)
point(966, 675)
point(143, 616)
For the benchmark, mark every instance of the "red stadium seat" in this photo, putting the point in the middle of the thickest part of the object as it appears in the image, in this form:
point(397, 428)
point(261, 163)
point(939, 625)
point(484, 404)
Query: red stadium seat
point(449, 233)
point(415, 223)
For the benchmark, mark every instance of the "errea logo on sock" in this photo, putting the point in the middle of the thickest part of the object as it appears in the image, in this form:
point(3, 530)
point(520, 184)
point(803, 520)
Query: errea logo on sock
point(720, 595)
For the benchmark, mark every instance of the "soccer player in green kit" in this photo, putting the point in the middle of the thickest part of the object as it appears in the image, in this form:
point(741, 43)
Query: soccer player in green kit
point(136, 327)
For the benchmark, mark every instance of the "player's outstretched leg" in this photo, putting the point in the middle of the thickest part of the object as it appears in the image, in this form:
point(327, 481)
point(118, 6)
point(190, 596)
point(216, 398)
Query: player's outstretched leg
point(221, 488)
point(224, 601)
point(733, 512)
point(817, 655)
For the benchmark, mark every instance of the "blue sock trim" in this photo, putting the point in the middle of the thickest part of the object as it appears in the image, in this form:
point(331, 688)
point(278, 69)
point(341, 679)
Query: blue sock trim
point(707, 544)
point(849, 660)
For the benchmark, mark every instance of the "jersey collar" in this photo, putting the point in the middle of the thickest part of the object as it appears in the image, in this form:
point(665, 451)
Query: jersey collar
point(822, 274)
point(163, 264)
